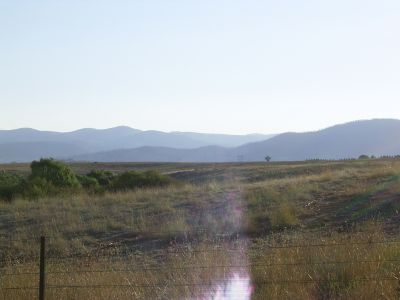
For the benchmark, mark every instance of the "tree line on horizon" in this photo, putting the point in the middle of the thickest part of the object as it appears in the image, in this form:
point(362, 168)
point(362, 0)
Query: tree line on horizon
point(361, 157)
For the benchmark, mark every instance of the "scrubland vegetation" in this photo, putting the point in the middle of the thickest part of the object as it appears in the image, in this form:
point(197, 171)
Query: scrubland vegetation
point(307, 230)
point(51, 178)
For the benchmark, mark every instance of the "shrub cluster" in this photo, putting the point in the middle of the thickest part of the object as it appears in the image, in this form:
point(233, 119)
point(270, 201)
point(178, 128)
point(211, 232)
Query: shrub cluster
point(10, 185)
point(51, 177)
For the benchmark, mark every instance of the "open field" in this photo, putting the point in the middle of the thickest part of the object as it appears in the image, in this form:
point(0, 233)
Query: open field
point(305, 230)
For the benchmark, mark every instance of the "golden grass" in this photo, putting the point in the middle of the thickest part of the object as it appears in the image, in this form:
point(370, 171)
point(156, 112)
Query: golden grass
point(174, 273)
point(353, 266)
point(259, 210)
point(284, 266)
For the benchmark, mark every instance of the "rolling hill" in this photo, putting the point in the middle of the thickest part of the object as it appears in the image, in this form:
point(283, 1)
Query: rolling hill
point(26, 144)
point(372, 137)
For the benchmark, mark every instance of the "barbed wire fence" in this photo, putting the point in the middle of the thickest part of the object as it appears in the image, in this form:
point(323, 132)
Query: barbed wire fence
point(44, 257)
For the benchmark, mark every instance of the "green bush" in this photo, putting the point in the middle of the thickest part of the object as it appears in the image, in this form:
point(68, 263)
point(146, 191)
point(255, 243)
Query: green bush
point(39, 187)
point(11, 186)
point(134, 179)
point(54, 172)
point(50, 177)
point(154, 178)
point(104, 178)
point(88, 182)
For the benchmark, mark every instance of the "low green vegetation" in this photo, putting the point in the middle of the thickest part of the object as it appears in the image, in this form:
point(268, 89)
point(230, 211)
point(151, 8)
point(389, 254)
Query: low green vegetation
point(11, 185)
point(54, 172)
point(102, 177)
point(50, 178)
point(134, 179)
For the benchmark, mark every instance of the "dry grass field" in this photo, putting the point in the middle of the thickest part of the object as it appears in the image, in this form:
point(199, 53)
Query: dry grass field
point(305, 230)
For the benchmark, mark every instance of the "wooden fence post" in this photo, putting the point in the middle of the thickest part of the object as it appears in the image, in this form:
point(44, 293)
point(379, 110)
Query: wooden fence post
point(42, 279)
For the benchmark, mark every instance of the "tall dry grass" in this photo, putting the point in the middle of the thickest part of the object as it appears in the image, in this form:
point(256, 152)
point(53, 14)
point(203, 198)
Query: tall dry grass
point(157, 236)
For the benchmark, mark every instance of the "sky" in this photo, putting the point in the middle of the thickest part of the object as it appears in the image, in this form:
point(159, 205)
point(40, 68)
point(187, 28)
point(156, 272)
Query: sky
point(220, 66)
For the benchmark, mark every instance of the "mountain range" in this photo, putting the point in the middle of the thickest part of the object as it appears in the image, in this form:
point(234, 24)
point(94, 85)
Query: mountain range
point(122, 144)
point(26, 144)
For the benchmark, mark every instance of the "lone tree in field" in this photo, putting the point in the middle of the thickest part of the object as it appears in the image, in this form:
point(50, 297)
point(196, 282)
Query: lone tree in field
point(268, 158)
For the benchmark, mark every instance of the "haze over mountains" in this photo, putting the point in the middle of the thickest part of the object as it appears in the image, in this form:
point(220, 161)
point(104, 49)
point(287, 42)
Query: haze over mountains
point(25, 144)
point(122, 144)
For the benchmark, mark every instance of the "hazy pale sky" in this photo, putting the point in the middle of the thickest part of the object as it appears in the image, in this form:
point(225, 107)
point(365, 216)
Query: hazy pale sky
point(198, 65)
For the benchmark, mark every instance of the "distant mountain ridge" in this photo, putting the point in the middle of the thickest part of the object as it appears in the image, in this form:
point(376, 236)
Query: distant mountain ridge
point(371, 137)
point(123, 144)
point(26, 144)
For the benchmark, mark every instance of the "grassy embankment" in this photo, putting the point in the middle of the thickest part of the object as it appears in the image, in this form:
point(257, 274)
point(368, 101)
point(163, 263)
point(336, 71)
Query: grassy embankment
point(163, 242)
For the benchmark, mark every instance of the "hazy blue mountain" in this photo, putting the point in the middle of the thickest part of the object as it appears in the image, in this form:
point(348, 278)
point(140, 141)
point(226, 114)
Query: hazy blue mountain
point(125, 137)
point(24, 135)
point(26, 152)
point(46, 143)
point(159, 154)
point(225, 140)
point(371, 137)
